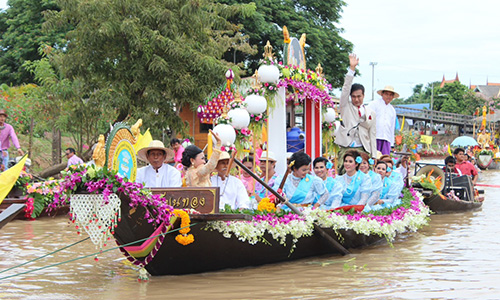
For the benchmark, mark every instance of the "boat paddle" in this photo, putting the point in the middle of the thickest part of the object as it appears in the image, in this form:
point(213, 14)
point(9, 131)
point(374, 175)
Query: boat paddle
point(331, 241)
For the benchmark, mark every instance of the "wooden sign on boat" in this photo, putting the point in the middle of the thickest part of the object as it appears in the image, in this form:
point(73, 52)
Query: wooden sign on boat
point(205, 200)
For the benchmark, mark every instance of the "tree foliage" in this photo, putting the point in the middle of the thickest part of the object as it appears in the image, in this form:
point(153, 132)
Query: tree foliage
point(452, 97)
point(317, 19)
point(147, 58)
point(21, 37)
point(60, 101)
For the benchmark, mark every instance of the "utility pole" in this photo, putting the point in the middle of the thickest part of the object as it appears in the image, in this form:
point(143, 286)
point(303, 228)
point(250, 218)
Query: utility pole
point(432, 104)
point(373, 64)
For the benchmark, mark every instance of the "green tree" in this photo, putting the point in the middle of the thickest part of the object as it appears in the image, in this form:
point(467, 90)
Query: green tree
point(148, 58)
point(61, 101)
point(21, 36)
point(315, 18)
point(456, 97)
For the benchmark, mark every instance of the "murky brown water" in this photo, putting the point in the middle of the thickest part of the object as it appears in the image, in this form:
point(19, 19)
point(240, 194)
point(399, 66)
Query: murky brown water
point(456, 257)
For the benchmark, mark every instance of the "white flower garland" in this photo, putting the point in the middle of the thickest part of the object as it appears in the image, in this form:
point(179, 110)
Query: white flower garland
point(253, 231)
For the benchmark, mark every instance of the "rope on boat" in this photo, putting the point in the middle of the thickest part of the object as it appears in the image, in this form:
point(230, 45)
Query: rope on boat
point(82, 257)
point(38, 258)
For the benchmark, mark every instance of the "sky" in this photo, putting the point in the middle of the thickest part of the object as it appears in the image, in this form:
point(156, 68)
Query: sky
point(415, 42)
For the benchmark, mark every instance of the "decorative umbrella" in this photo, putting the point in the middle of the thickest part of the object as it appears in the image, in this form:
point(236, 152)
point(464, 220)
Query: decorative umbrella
point(464, 141)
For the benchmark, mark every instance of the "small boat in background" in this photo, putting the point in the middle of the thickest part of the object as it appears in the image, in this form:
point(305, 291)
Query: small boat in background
point(454, 193)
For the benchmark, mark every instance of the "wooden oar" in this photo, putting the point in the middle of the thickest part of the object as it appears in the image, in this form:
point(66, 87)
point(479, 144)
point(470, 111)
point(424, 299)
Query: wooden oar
point(288, 171)
point(320, 230)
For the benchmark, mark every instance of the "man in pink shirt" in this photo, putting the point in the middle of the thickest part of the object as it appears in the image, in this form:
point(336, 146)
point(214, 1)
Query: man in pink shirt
point(72, 158)
point(7, 134)
point(178, 149)
point(464, 165)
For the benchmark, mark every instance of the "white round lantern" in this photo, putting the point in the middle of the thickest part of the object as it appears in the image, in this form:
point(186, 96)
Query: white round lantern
point(239, 118)
point(256, 104)
point(269, 73)
point(226, 133)
point(329, 115)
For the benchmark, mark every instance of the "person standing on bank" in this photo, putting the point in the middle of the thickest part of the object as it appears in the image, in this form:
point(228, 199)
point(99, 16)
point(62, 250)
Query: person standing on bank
point(386, 118)
point(72, 158)
point(357, 129)
point(7, 134)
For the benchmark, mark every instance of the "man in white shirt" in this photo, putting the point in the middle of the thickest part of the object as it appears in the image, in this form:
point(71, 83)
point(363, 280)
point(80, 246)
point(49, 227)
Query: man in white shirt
point(232, 191)
point(386, 119)
point(157, 174)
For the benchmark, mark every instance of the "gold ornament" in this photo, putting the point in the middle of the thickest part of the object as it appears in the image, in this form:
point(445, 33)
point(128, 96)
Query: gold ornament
point(99, 155)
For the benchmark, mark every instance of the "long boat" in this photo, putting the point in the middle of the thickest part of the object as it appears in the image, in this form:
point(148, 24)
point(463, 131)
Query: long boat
point(487, 162)
point(463, 197)
point(214, 250)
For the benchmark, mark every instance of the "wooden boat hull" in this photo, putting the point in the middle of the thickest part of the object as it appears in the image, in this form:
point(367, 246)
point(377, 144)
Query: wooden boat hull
point(211, 251)
point(440, 206)
point(10, 213)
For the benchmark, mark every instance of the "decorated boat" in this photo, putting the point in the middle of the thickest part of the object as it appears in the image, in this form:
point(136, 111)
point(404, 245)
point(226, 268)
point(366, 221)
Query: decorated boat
point(446, 192)
point(486, 152)
point(231, 241)
point(34, 197)
point(181, 230)
point(486, 160)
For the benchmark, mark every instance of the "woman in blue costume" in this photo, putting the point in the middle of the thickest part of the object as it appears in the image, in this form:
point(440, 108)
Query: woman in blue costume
point(356, 184)
point(302, 188)
point(375, 180)
point(392, 186)
point(321, 166)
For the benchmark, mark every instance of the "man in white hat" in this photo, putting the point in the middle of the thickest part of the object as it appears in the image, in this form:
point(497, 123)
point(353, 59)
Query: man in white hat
point(267, 166)
point(357, 129)
point(386, 118)
point(157, 173)
point(232, 191)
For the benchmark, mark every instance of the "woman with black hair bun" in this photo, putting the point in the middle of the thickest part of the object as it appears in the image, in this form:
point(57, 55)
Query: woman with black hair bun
point(301, 187)
point(357, 185)
point(198, 169)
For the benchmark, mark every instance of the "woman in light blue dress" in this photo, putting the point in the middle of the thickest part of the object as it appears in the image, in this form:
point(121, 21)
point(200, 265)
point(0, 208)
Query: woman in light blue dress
point(375, 180)
point(302, 188)
point(356, 184)
point(321, 166)
point(392, 186)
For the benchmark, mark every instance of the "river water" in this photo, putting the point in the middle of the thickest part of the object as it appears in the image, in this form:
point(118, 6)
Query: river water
point(455, 257)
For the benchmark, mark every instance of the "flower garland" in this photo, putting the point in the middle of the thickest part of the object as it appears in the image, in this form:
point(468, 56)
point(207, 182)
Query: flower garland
point(410, 216)
point(98, 180)
point(305, 84)
point(184, 238)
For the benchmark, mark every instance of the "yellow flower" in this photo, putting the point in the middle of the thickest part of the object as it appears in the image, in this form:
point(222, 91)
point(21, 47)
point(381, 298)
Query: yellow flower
point(266, 205)
point(183, 238)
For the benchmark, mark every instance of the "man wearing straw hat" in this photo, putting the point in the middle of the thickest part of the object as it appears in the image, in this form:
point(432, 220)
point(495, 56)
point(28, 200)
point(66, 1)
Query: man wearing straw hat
point(386, 118)
point(7, 134)
point(232, 191)
point(157, 173)
point(267, 166)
